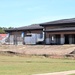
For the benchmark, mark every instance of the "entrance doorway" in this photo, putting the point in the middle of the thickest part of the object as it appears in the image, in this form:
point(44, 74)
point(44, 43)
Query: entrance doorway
point(73, 39)
point(57, 39)
point(66, 39)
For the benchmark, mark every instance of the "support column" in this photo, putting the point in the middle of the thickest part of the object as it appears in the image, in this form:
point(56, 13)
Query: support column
point(23, 36)
point(62, 39)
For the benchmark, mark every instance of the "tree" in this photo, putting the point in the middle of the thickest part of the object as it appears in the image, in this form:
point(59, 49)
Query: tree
point(2, 29)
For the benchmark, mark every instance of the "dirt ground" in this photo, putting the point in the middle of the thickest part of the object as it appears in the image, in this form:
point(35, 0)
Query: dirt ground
point(39, 49)
point(59, 73)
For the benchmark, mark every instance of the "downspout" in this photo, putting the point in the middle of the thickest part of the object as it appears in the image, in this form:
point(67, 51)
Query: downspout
point(23, 35)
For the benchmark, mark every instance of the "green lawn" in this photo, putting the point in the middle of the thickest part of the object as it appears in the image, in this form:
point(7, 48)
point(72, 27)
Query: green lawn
point(27, 66)
point(72, 74)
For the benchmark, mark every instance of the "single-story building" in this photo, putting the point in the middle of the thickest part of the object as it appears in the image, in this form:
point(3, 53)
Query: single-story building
point(54, 32)
point(31, 34)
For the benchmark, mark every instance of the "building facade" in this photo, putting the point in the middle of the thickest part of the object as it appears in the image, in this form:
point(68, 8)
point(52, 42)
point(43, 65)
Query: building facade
point(54, 33)
point(25, 35)
point(59, 32)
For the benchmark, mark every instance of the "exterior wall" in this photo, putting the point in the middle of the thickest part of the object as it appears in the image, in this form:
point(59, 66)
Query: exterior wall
point(36, 35)
point(16, 33)
point(60, 32)
point(37, 31)
point(32, 39)
point(49, 38)
point(33, 31)
point(16, 37)
point(62, 37)
point(52, 27)
point(60, 26)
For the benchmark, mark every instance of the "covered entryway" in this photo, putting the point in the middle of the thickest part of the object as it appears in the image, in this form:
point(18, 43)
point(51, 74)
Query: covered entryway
point(69, 38)
point(54, 39)
point(57, 39)
point(66, 39)
point(60, 38)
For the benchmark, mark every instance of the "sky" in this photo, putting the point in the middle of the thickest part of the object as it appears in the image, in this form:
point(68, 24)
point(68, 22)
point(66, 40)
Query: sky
point(17, 13)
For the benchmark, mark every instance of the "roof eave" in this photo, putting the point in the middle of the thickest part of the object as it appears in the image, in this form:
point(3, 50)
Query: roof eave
point(55, 24)
point(23, 30)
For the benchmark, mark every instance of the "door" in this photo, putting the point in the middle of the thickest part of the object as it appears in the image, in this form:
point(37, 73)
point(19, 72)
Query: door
point(66, 39)
point(57, 39)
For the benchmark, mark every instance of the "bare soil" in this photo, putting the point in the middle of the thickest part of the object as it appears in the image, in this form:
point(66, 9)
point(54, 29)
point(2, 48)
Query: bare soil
point(59, 73)
point(57, 50)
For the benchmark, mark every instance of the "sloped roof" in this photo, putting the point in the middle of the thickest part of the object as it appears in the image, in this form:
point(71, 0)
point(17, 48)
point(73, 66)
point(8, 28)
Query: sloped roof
point(63, 21)
point(33, 26)
point(2, 36)
point(30, 27)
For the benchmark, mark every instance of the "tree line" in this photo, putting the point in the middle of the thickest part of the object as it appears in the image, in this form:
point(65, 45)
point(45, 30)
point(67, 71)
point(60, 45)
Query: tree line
point(2, 29)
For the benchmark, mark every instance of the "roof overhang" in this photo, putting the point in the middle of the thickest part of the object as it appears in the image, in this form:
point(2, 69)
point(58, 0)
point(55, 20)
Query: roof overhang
point(26, 28)
point(13, 30)
point(58, 24)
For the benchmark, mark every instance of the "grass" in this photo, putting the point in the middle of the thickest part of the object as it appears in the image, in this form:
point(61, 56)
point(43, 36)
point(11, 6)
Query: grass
point(72, 74)
point(15, 65)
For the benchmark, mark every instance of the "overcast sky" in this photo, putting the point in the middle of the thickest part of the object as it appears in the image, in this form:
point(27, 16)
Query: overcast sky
point(17, 13)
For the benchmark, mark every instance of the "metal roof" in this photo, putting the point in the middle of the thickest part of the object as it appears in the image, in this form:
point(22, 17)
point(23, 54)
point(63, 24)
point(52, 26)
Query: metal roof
point(33, 26)
point(30, 27)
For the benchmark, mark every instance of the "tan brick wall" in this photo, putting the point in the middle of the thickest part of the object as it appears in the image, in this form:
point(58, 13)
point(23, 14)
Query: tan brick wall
point(60, 26)
point(34, 31)
point(16, 33)
point(47, 35)
point(37, 31)
point(52, 27)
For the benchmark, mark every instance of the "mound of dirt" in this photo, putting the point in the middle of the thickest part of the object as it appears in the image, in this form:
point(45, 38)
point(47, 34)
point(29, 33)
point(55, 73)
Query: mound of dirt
point(8, 53)
point(73, 52)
